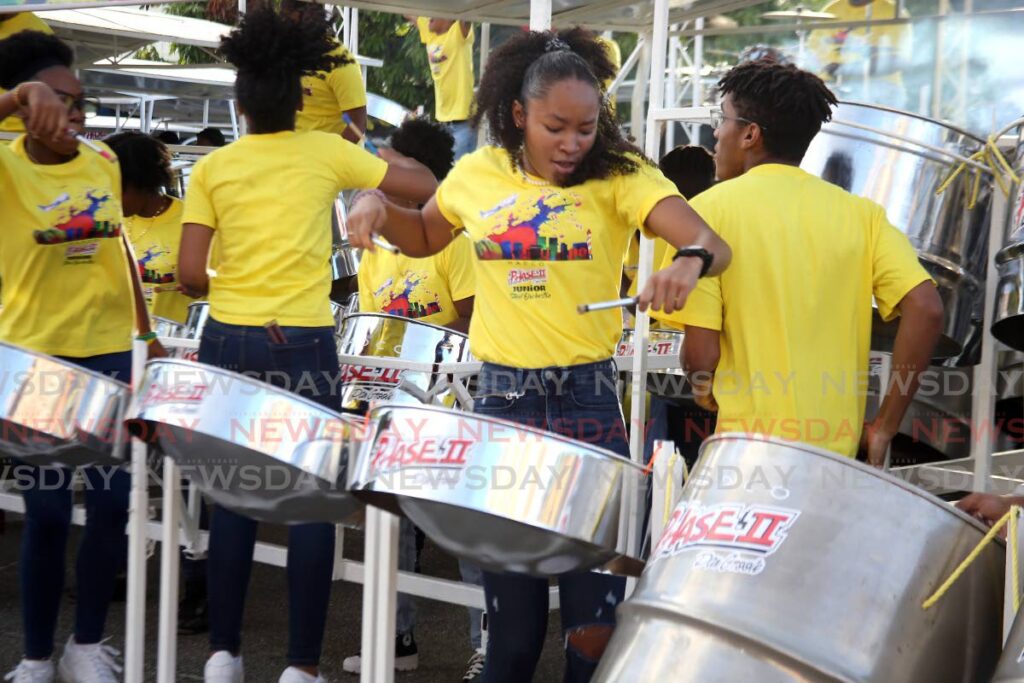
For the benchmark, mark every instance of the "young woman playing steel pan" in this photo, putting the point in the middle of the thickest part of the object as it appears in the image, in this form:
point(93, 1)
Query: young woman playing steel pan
point(67, 292)
point(550, 208)
point(268, 197)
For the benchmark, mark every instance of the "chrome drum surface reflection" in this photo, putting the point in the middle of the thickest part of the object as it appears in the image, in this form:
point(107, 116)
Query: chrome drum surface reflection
point(784, 562)
point(55, 413)
point(504, 496)
point(252, 447)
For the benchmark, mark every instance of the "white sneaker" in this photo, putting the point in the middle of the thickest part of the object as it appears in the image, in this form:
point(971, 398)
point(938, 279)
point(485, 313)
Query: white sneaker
point(222, 667)
point(32, 671)
point(96, 663)
point(475, 667)
point(294, 675)
point(407, 657)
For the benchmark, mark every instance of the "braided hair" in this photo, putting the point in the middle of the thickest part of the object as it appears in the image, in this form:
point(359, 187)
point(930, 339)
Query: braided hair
point(789, 104)
point(26, 53)
point(525, 67)
point(272, 53)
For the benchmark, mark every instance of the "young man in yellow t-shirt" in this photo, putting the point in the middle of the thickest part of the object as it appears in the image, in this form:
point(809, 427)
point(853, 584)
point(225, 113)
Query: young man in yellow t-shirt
point(450, 53)
point(779, 343)
point(328, 96)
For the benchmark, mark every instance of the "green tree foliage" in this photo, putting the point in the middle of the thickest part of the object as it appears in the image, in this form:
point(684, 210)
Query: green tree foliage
point(405, 76)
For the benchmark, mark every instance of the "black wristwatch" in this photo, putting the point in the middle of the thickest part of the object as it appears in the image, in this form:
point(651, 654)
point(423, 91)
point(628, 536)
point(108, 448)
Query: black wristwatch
point(706, 257)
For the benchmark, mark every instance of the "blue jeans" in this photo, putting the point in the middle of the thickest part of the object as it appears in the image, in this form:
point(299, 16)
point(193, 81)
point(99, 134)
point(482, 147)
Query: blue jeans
point(465, 137)
point(101, 554)
point(580, 402)
point(232, 536)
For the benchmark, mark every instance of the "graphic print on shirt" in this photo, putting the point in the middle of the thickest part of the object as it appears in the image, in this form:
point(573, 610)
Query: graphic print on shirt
point(74, 223)
point(407, 298)
point(150, 271)
point(540, 228)
point(436, 57)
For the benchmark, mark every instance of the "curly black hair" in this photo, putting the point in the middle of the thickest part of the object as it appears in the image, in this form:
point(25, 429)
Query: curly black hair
point(272, 53)
point(789, 104)
point(525, 67)
point(690, 167)
point(26, 53)
point(428, 142)
point(145, 161)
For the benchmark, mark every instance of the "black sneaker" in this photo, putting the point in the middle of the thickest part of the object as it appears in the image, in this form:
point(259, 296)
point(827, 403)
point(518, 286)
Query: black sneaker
point(474, 668)
point(407, 657)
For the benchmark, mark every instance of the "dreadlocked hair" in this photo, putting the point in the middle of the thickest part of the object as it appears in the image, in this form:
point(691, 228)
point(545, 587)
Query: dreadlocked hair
point(428, 142)
point(525, 67)
point(272, 53)
point(145, 161)
point(788, 103)
point(26, 53)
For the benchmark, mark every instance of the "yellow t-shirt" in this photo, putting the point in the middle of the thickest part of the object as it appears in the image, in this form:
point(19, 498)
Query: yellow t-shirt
point(67, 287)
point(542, 250)
point(23, 21)
point(325, 95)
point(269, 198)
point(451, 66)
point(632, 263)
point(423, 289)
point(850, 47)
point(614, 54)
point(155, 242)
point(794, 307)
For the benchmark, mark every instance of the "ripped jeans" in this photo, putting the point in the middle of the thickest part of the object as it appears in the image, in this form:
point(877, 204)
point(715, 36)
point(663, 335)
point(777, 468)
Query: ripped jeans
point(580, 402)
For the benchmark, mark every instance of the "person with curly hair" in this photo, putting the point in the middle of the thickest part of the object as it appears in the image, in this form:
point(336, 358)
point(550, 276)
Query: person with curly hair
point(69, 291)
point(267, 197)
point(813, 258)
point(329, 96)
point(11, 23)
point(549, 208)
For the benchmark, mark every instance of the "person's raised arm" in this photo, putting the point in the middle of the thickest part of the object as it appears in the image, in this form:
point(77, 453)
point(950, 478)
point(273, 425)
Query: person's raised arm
point(47, 115)
point(673, 220)
point(406, 178)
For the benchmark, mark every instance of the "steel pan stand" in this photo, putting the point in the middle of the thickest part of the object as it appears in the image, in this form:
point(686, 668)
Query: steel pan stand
point(379, 596)
point(138, 506)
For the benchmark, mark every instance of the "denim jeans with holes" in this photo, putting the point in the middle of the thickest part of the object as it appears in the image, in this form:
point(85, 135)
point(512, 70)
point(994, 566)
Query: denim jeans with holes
point(306, 363)
point(580, 402)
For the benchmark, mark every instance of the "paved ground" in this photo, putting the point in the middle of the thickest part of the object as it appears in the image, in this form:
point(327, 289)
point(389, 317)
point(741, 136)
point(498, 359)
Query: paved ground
point(441, 634)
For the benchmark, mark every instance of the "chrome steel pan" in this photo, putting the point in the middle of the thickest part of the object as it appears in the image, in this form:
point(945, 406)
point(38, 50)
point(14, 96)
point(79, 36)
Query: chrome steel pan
point(55, 413)
point(252, 447)
point(378, 338)
point(506, 497)
point(1009, 314)
point(783, 562)
point(665, 376)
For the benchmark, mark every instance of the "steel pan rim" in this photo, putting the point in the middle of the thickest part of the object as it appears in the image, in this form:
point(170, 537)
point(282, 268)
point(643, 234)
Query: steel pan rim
point(71, 367)
point(374, 417)
point(1009, 253)
point(840, 459)
point(388, 316)
point(891, 110)
point(284, 393)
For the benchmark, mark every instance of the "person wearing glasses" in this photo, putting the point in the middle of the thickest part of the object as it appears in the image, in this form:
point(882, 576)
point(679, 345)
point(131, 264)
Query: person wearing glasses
point(778, 343)
point(69, 288)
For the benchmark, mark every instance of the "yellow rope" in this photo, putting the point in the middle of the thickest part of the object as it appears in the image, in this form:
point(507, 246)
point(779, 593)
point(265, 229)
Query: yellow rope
point(991, 156)
point(958, 572)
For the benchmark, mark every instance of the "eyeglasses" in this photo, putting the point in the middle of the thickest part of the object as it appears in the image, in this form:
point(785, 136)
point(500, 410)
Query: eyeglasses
point(89, 106)
point(718, 118)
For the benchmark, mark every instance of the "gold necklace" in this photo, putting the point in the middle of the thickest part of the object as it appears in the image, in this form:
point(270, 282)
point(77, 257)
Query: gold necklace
point(521, 163)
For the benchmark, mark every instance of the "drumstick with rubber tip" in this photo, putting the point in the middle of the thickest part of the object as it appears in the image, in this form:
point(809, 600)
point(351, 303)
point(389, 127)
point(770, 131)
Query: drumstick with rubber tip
point(386, 246)
point(605, 305)
point(93, 146)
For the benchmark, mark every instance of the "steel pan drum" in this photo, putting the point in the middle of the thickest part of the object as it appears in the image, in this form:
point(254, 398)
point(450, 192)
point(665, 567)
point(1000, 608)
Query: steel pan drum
point(252, 447)
point(1009, 315)
point(665, 376)
point(380, 336)
point(55, 413)
point(506, 497)
point(951, 241)
point(1011, 664)
point(784, 562)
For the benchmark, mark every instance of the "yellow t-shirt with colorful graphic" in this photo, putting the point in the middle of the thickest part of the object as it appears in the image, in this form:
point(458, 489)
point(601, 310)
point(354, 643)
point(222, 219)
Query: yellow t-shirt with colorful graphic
point(269, 198)
point(541, 250)
point(451, 66)
point(631, 265)
point(23, 21)
point(67, 287)
point(155, 242)
point(325, 95)
point(794, 306)
point(423, 289)
point(852, 47)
